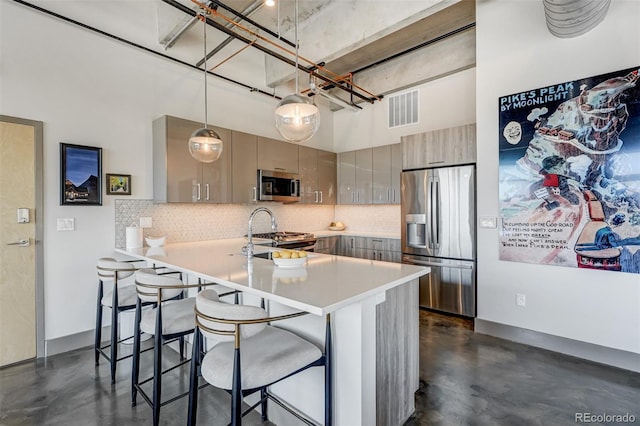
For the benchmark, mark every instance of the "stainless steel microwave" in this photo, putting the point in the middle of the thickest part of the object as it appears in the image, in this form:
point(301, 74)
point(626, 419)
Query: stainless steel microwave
point(278, 186)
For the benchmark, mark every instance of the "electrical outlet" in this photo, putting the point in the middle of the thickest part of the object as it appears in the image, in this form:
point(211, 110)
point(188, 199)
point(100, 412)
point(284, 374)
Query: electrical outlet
point(146, 222)
point(521, 300)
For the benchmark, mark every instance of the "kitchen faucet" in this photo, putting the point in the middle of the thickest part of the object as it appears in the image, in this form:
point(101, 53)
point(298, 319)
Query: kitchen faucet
point(274, 228)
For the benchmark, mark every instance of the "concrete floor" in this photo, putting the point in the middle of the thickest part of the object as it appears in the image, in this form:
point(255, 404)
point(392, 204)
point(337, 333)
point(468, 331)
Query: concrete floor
point(466, 379)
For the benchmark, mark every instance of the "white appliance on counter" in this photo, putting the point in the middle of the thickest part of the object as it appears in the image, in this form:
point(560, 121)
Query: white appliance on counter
point(438, 230)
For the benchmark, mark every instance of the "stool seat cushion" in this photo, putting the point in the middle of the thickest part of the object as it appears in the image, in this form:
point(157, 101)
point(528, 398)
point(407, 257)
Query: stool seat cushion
point(266, 358)
point(127, 297)
point(177, 317)
point(107, 267)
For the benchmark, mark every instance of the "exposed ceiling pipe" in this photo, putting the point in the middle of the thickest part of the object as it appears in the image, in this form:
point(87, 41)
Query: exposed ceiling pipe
point(146, 49)
point(250, 10)
point(270, 52)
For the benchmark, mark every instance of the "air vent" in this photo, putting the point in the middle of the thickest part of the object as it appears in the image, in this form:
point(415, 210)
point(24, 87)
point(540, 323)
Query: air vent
point(403, 109)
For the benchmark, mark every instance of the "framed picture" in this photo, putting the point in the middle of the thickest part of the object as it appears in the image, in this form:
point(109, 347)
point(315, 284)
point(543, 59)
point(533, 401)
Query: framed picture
point(118, 184)
point(80, 175)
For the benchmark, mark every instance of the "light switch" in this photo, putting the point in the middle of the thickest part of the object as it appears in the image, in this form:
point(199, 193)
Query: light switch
point(66, 224)
point(23, 215)
point(487, 222)
point(146, 222)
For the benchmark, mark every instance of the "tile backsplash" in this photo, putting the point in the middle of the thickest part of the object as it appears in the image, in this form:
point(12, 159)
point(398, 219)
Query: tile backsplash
point(196, 222)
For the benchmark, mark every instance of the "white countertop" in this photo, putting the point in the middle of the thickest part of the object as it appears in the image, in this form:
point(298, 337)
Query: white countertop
point(324, 284)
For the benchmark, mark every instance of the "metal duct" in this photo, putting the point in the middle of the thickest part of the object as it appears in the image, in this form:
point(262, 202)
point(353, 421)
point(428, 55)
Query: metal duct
point(571, 18)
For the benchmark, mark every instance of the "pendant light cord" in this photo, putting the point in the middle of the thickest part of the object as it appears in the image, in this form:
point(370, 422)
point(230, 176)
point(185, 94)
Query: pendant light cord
point(297, 44)
point(204, 20)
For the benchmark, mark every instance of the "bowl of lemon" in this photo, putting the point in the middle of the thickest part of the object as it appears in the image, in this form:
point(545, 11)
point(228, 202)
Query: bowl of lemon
point(289, 258)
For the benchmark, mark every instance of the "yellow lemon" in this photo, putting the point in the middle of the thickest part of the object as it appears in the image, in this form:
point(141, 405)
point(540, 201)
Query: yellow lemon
point(275, 254)
point(294, 255)
point(285, 255)
point(302, 254)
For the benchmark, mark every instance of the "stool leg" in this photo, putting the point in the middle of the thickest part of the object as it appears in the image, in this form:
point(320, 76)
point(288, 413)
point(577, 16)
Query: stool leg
point(135, 367)
point(98, 340)
point(181, 343)
point(193, 380)
point(114, 332)
point(157, 367)
point(328, 384)
point(263, 404)
point(236, 391)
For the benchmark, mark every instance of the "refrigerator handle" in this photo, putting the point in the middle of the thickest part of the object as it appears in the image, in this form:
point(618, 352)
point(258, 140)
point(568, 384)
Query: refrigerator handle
point(429, 221)
point(438, 212)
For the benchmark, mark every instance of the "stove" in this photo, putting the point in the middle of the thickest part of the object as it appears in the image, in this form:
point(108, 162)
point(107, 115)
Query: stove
point(290, 240)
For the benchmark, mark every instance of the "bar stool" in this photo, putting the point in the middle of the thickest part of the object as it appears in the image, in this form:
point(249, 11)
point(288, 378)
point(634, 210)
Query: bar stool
point(269, 355)
point(119, 299)
point(170, 320)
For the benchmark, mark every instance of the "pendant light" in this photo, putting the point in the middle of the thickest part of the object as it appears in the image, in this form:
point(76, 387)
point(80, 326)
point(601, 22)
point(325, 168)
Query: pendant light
point(297, 118)
point(205, 144)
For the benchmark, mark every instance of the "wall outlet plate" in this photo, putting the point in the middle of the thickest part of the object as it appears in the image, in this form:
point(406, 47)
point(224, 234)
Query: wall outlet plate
point(66, 224)
point(521, 299)
point(488, 222)
point(146, 222)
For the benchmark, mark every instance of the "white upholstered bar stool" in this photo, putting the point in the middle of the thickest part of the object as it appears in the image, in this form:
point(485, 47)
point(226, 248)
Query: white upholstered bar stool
point(269, 355)
point(169, 320)
point(119, 298)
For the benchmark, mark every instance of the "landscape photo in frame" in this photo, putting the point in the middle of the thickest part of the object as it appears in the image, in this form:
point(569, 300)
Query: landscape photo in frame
point(80, 175)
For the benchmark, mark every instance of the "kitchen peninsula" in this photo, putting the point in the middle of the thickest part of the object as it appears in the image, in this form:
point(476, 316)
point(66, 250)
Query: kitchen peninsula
point(374, 312)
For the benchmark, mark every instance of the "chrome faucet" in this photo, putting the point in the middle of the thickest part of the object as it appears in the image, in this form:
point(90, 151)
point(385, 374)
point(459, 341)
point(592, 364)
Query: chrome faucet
point(274, 228)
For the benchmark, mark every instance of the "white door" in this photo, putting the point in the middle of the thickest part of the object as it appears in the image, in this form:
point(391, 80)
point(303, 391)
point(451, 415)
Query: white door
point(21, 298)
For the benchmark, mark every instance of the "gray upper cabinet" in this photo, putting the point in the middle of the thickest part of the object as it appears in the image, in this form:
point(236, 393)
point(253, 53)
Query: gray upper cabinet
point(318, 176)
point(355, 177)
point(387, 166)
point(244, 161)
point(370, 176)
point(277, 155)
point(455, 145)
point(178, 177)
point(346, 177)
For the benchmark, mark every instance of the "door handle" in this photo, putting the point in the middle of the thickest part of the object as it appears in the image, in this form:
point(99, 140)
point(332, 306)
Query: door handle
point(21, 243)
point(206, 186)
point(321, 197)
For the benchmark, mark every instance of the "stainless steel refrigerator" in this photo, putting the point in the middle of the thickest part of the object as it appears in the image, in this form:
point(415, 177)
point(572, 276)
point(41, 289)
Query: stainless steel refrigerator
point(438, 230)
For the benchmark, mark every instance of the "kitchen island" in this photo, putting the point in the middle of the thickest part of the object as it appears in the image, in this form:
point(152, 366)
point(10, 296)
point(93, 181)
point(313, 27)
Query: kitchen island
point(374, 313)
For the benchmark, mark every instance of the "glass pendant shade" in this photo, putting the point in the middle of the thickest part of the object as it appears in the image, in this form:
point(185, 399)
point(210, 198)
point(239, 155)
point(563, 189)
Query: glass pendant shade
point(297, 118)
point(205, 145)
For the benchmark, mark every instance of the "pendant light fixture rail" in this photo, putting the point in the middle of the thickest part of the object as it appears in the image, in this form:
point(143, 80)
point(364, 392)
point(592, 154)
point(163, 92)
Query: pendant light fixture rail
point(371, 98)
point(251, 9)
point(143, 48)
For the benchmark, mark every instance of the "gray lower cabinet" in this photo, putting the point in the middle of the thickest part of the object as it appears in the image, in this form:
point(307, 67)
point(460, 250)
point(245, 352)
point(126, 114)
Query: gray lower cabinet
point(244, 167)
point(178, 177)
point(328, 245)
point(397, 354)
point(385, 249)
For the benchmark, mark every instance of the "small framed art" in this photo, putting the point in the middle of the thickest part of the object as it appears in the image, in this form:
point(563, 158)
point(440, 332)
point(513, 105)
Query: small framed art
point(118, 184)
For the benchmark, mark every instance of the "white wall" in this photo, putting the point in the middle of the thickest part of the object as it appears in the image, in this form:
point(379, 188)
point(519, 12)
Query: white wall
point(446, 102)
point(515, 52)
point(91, 90)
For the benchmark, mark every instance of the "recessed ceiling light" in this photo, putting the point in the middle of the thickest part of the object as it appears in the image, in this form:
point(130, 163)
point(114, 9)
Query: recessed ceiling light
point(269, 3)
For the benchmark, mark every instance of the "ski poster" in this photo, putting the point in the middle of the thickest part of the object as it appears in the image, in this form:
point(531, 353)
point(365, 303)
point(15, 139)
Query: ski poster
point(569, 173)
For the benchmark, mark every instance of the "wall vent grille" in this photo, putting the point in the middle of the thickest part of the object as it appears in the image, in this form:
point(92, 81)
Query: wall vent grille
point(403, 108)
